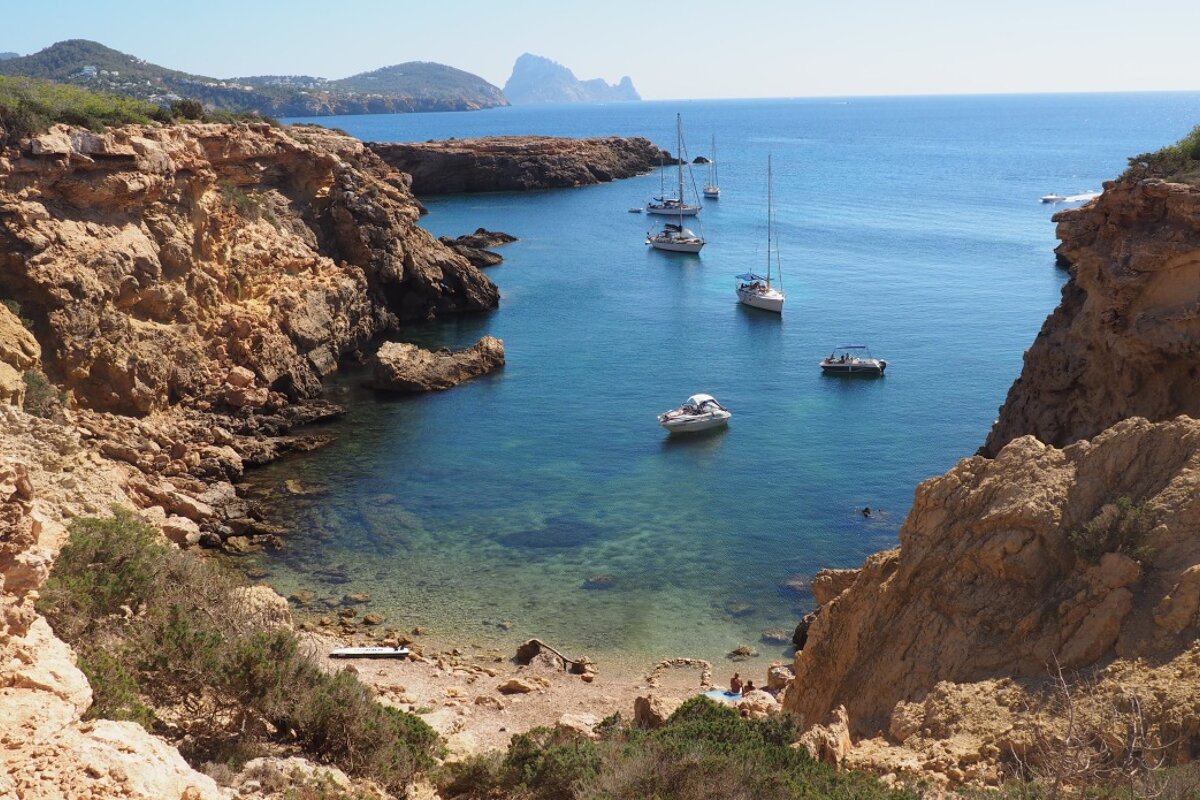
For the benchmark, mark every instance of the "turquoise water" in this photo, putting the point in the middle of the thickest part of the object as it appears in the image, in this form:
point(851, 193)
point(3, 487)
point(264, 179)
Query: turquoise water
point(910, 224)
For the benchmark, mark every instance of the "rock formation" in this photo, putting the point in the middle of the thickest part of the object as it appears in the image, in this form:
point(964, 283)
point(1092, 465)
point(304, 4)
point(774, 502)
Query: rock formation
point(153, 261)
point(403, 367)
point(1011, 568)
point(1125, 340)
point(519, 163)
point(536, 79)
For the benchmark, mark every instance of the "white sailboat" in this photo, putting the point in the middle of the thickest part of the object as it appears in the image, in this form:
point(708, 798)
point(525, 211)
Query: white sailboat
point(712, 189)
point(673, 206)
point(674, 237)
point(758, 290)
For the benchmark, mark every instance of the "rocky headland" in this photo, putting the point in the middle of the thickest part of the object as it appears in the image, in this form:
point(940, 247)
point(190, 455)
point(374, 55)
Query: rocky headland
point(519, 163)
point(173, 297)
point(536, 79)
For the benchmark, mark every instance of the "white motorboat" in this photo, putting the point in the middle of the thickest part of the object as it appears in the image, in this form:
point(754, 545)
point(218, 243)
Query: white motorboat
point(676, 239)
point(1053, 197)
point(756, 290)
point(635, 210)
point(369, 652)
point(699, 413)
point(712, 190)
point(852, 359)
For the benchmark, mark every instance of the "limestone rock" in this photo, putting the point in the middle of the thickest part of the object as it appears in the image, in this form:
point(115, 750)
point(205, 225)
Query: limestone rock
point(519, 163)
point(1124, 339)
point(758, 705)
point(830, 741)
point(652, 711)
point(829, 583)
point(988, 581)
point(264, 606)
point(403, 367)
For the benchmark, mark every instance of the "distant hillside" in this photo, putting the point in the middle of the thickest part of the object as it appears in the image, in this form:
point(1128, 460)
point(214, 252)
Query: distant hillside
point(405, 87)
point(6, 56)
point(539, 80)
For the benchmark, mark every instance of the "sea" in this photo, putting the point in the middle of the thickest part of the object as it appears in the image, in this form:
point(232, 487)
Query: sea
point(544, 501)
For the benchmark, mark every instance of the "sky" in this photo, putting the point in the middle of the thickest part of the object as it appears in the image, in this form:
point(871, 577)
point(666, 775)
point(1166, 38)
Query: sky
point(693, 50)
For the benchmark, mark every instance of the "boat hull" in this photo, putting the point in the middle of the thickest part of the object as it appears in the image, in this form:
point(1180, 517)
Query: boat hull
point(866, 368)
point(712, 192)
point(673, 211)
point(369, 652)
point(696, 424)
point(675, 245)
point(767, 302)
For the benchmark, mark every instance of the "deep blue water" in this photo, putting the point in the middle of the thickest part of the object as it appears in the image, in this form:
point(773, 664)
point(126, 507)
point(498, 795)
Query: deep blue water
point(910, 224)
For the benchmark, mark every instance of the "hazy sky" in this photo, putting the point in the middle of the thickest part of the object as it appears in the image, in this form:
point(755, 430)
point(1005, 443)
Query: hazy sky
point(696, 49)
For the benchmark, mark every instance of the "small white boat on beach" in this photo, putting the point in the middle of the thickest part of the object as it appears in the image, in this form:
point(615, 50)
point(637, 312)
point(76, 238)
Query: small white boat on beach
point(852, 359)
point(699, 413)
point(369, 652)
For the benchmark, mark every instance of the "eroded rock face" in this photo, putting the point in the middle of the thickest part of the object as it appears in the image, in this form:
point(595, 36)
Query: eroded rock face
point(519, 163)
point(989, 582)
point(1125, 340)
point(152, 261)
point(404, 367)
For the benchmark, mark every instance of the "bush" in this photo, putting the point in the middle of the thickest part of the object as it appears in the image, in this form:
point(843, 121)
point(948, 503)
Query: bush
point(42, 398)
point(162, 638)
point(704, 751)
point(1178, 162)
point(1120, 527)
point(29, 106)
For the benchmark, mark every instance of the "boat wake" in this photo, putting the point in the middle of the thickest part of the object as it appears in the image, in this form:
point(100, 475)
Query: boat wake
point(1078, 198)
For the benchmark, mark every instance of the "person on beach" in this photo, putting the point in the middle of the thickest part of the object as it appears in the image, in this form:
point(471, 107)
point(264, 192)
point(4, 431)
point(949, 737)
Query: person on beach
point(735, 684)
point(748, 688)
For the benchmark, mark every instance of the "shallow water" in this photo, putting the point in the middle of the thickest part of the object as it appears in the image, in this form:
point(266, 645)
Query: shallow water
point(910, 224)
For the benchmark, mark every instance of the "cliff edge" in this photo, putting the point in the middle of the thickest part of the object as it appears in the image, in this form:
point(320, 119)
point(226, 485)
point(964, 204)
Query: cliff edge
point(1125, 340)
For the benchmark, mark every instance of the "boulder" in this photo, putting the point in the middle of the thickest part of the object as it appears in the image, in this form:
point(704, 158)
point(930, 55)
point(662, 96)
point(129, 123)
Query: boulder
point(758, 705)
point(403, 367)
point(830, 741)
point(652, 711)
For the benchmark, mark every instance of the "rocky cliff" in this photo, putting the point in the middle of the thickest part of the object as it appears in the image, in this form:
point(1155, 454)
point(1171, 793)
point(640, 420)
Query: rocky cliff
point(1125, 340)
point(151, 262)
point(536, 79)
point(519, 163)
point(173, 296)
point(1071, 553)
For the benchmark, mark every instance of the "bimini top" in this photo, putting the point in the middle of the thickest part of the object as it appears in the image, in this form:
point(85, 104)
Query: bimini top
point(751, 276)
point(697, 399)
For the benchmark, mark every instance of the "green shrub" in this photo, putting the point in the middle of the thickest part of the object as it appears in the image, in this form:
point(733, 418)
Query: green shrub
point(41, 396)
point(1177, 162)
point(29, 105)
point(163, 638)
point(705, 751)
point(1119, 527)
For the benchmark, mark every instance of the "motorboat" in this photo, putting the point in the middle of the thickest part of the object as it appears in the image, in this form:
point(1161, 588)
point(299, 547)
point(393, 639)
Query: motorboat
point(675, 238)
point(635, 210)
point(699, 412)
point(852, 359)
point(757, 290)
point(1053, 197)
point(369, 652)
point(712, 190)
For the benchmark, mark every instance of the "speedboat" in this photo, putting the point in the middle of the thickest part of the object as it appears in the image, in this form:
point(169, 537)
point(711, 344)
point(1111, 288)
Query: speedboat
point(676, 239)
point(852, 359)
point(699, 413)
point(1053, 198)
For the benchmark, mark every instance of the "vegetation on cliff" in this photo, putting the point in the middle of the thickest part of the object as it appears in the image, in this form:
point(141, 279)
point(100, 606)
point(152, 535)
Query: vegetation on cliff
point(1178, 162)
point(30, 105)
point(175, 644)
point(415, 86)
point(705, 750)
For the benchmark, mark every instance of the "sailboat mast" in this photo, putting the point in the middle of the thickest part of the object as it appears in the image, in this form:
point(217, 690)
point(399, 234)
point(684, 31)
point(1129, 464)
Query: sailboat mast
point(714, 160)
point(768, 219)
point(679, 157)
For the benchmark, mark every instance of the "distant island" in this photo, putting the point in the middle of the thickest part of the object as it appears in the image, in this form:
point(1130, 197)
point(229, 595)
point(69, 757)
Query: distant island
point(536, 79)
point(413, 86)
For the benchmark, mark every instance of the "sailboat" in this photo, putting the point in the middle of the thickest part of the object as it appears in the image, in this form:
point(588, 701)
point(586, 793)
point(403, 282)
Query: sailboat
point(712, 190)
point(754, 289)
point(674, 237)
point(673, 206)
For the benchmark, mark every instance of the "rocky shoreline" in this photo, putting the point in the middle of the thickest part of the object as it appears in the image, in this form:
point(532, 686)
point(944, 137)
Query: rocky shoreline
point(174, 297)
point(519, 163)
